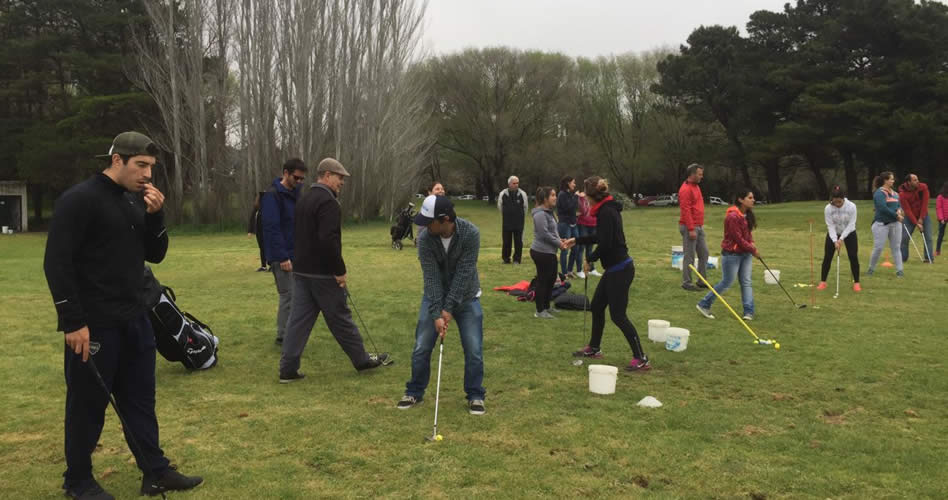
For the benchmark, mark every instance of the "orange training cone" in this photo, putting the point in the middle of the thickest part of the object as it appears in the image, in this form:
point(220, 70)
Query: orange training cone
point(885, 259)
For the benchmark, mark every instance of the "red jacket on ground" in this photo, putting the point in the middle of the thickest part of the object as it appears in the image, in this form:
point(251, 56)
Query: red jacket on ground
point(914, 202)
point(737, 236)
point(691, 205)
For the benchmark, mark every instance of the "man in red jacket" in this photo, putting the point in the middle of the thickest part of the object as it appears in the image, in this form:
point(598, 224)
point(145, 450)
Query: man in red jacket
point(691, 226)
point(914, 196)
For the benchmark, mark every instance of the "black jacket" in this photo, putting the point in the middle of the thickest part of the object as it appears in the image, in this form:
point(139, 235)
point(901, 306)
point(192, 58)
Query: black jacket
point(609, 235)
point(318, 245)
point(567, 203)
point(513, 206)
point(98, 242)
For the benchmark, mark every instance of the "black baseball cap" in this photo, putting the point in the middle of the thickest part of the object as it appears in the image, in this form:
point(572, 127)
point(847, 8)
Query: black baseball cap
point(131, 144)
point(434, 207)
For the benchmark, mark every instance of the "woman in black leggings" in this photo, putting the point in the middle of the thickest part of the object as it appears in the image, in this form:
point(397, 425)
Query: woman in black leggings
point(618, 273)
point(840, 215)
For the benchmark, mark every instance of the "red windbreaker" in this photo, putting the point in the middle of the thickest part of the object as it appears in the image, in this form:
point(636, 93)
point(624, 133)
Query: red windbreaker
point(737, 236)
point(914, 202)
point(691, 205)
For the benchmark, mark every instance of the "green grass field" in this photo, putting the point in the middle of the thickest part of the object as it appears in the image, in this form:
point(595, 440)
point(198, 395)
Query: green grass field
point(854, 405)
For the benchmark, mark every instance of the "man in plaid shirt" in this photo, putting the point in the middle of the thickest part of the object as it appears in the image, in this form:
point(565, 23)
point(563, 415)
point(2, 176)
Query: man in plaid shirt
point(448, 254)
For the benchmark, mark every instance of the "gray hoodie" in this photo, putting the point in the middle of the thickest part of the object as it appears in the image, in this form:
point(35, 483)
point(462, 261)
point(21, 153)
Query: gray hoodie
point(545, 237)
point(841, 221)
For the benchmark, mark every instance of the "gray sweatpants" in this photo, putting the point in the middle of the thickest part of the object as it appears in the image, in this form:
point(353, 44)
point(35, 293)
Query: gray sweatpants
point(882, 232)
point(284, 284)
point(310, 297)
point(691, 247)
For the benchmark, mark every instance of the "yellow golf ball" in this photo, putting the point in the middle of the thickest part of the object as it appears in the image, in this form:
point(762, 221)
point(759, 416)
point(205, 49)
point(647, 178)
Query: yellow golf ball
point(439, 437)
point(777, 346)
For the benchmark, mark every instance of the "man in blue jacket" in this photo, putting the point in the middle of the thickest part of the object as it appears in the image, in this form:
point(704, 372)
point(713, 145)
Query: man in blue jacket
point(278, 205)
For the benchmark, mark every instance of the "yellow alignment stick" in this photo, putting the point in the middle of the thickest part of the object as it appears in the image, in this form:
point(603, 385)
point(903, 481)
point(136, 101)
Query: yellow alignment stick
point(715, 292)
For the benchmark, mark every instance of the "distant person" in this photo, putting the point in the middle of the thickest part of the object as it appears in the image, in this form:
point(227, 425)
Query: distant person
point(513, 205)
point(448, 253)
point(319, 276)
point(887, 222)
point(435, 188)
point(941, 208)
point(586, 223)
point(543, 250)
point(737, 252)
point(255, 227)
point(102, 232)
point(691, 226)
point(278, 205)
point(913, 197)
point(840, 215)
point(618, 273)
point(567, 206)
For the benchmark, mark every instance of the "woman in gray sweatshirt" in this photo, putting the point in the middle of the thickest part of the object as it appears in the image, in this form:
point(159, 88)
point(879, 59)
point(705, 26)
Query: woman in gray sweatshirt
point(546, 242)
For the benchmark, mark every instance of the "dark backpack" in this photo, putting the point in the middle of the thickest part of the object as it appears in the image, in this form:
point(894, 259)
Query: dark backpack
point(179, 336)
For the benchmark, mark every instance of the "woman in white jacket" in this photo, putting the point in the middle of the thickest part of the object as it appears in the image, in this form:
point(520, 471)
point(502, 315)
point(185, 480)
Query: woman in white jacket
point(840, 215)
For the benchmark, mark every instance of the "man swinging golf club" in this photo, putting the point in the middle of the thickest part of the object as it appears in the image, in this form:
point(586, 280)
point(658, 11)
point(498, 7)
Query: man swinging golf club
point(448, 253)
point(103, 231)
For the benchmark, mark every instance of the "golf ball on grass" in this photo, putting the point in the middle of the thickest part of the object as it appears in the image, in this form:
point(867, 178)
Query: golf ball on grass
point(777, 346)
point(439, 437)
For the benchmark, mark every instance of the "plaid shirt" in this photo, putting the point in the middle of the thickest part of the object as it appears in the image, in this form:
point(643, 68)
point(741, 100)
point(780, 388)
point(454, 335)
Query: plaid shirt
point(450, 277)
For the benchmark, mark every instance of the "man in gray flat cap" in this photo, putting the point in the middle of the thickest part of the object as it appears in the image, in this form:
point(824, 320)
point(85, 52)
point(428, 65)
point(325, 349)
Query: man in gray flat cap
point(319, 277)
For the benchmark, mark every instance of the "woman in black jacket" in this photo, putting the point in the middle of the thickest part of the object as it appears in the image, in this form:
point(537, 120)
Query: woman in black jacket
point(618, 273)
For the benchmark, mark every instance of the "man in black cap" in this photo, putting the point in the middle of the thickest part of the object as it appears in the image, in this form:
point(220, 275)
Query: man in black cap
point(448, 254)
point(102, 232)
point(319, 277)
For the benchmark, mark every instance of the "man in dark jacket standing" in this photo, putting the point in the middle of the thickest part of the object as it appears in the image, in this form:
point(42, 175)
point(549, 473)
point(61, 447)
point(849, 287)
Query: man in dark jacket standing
point(319, 277)
point(103, 231)
point(278, 206)
point(513, 206)
point(914, 197)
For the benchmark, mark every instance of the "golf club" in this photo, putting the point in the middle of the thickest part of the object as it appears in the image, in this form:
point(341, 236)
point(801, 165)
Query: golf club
point(837, 274)
point(434, 432)
point(913, 242)
point(928, 253)
point(579, 362)
point(757, 340)
point(812, 291)
point(798, 306)
point(133, 443)
point(388, 360)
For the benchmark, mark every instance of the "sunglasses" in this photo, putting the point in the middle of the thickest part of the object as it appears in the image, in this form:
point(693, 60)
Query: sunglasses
point(299, 178)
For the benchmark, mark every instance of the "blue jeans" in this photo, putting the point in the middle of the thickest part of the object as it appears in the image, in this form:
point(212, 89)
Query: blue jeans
point(734, 265)
point(469, 320)
point(924, 247)
point(585, 250)
point(569, 260)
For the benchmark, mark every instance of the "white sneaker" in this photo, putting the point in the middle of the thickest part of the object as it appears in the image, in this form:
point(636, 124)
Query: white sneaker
point(553, 309)
point(581, 275)
point(543, 315)
point(595, 273)
point(705, 312)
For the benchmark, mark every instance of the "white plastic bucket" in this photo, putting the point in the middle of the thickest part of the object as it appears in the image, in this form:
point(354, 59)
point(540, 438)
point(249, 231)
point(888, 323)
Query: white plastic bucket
point(656, 329)
point(676, 339)
point(5, 228)
point(712, 262)
point(771, 279)
point(677, 255)
point(602, 379)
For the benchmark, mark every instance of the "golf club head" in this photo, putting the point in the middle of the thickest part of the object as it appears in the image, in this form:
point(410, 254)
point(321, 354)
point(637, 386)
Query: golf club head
point(801, 306)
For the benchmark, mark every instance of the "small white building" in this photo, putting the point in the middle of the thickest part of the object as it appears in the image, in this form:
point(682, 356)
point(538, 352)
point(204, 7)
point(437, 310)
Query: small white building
point(14, 210)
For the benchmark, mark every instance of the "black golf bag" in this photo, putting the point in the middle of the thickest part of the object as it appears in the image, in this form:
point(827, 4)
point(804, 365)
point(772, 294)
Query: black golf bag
point(403, 227)
point(179, 336)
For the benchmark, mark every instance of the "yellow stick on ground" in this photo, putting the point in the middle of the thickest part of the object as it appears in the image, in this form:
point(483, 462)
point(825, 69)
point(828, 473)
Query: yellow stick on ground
point(728, 306)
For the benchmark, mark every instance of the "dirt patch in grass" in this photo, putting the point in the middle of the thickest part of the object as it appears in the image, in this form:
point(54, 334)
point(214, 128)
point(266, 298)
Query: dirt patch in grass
point(20, 437)
point(749, 430)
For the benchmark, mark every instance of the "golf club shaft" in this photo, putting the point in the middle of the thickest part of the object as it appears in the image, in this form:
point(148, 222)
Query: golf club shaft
point(812, 292)
point(728, 306)
point(837, 271)
point(434, 433)
point(585, 304)
point(928, 253)
point(913, 242)
point(364, 328)
point(772, 275)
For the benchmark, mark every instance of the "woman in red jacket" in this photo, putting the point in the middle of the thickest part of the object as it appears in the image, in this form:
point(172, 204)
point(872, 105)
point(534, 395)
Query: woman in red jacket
point(737, 252)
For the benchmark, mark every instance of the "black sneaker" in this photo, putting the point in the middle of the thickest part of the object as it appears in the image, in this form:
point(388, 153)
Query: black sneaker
point(87, 490)
point(261, 269)
point(689, 287)
point(701, 285)
point(476, 407)
point(408, 402)
point(278, 341)
point(171, 480)
point(286, 378)
point(376, 360)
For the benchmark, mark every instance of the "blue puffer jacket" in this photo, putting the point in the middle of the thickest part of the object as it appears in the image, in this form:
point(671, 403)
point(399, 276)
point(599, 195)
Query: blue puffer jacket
point(278, 205)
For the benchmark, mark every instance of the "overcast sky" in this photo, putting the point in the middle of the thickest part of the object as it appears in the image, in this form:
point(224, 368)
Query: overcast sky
point(579, 27)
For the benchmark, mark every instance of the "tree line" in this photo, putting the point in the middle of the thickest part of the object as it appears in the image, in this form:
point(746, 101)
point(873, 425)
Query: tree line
point(821, 93)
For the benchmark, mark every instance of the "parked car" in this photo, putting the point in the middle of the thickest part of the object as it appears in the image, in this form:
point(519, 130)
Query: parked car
point(662, 201)
point(466, 197)
point(717, 201)
point(645, 201)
